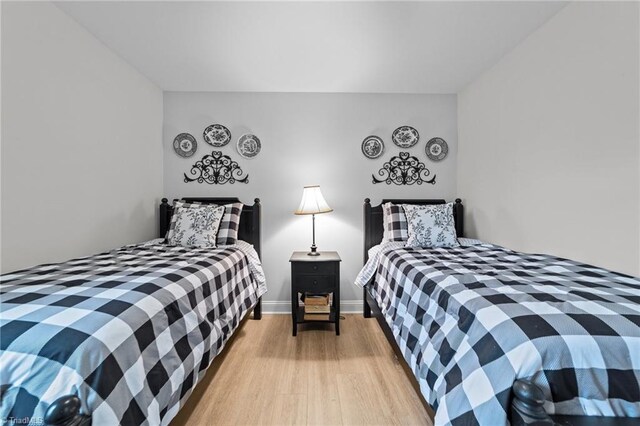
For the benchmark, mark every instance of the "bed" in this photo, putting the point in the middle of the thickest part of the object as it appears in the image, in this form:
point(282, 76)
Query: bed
point(491, 336)
point(123, 337)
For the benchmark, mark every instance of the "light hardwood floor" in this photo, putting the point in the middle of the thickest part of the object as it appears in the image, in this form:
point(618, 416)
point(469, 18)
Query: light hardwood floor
point(268, 377)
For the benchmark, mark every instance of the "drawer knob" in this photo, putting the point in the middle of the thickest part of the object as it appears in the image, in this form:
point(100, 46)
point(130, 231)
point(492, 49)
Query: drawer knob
point(315, 282)
point(315, 267)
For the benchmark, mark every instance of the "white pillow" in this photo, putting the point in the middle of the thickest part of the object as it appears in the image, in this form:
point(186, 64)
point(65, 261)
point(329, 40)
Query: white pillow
point(430, 225)
point(196, 226)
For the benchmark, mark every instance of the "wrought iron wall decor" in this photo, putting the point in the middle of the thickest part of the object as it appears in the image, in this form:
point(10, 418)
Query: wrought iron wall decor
point(404, 169)
point(216, 169)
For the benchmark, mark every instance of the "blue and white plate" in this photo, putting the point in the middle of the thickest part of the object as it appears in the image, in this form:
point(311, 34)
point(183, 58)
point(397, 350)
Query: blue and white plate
point(405, 136)
point(249, 145)
point(372, 147)
point(217, 135)
point(437, 149)
point(185, 145)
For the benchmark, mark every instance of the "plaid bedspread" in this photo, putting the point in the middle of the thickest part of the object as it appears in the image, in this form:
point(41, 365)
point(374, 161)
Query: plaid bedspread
point(472, 320)
point(130, 331)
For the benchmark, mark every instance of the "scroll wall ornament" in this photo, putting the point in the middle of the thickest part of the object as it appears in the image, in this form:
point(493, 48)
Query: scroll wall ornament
point(216, 169)
point(404, 169)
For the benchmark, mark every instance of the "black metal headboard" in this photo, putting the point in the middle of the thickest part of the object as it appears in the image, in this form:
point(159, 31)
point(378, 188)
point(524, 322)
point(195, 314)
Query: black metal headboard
point(373, 226)
point(249, 218)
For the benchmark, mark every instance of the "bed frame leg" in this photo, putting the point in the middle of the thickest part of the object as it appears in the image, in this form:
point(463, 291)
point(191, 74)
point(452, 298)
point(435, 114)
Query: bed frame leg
point(65, 411)
point(366, 309)
point(527, 405)
point(257, 310)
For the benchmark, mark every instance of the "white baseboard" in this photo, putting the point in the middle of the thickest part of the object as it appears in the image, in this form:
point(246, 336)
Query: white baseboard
point(282, 307)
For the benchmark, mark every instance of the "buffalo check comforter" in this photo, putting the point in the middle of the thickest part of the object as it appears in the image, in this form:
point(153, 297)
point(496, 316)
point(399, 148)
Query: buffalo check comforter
point(471, 320)
point(130, 331)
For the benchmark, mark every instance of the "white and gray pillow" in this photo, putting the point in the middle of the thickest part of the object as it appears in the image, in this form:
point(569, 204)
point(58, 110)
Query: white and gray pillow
point(229, 225)
point(394, 221)
point(430, 225)
point(195, 226)
point(177, 205)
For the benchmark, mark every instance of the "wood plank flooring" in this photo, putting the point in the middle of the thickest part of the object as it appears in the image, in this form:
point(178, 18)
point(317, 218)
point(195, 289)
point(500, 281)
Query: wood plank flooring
point(268, 377)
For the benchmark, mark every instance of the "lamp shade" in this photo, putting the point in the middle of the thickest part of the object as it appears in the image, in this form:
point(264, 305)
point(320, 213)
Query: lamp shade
point(312, 202)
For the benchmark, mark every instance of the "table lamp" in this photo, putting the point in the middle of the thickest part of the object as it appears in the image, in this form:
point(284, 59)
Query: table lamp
point(313, 203)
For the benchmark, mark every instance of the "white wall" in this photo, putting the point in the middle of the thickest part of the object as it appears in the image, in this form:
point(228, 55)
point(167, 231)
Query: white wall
point(309, 139)
point(549, 140)
point(81, 141)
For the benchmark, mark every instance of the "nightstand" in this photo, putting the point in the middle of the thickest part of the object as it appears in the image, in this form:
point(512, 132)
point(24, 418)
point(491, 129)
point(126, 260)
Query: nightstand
point(315, 274)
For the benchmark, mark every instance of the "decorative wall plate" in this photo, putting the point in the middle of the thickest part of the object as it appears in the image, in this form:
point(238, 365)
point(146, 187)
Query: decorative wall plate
point(437, 149)
point(405, 136)
point(249, 145)
point(217, 135)
point(372, 147)
point(185, 145)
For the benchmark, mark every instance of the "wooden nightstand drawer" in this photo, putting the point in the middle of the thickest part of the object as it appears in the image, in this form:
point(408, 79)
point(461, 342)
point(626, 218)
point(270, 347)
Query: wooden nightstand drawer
point(313, 268)
point(314, 283)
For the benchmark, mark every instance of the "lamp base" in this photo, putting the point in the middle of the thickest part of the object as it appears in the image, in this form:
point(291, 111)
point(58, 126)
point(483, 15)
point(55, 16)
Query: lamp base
point(313, 251)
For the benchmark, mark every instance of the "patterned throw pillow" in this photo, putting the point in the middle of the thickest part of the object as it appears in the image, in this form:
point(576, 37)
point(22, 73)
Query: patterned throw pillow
point(431, 226)
point(177, 205)
point(228, 232)
point(229, 225)
point(395, 223)
point(196, 226)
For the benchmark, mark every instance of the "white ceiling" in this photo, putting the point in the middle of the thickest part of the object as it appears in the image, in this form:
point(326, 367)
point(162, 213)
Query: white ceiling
point(363, 47)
